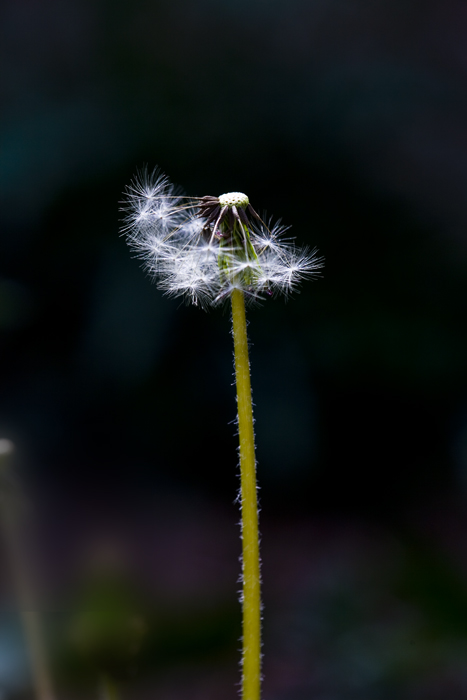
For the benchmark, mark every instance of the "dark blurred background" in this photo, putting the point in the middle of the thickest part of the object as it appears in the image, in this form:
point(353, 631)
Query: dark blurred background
point(348, 120)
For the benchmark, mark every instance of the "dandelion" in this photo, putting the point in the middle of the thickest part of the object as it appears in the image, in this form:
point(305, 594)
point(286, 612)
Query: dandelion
point(208, 250)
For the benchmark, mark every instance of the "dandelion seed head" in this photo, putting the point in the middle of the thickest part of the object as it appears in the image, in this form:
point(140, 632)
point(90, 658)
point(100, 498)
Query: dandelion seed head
point(202, 248)
point(234, 199)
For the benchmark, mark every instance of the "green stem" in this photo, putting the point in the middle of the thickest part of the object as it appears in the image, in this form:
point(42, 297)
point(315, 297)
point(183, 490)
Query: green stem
point(250, 538)
point(109, 689)
point(10, 507)
point(41, 675)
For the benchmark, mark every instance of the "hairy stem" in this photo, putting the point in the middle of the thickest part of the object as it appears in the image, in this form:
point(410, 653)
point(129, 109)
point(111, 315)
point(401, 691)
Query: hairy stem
point(250, 537)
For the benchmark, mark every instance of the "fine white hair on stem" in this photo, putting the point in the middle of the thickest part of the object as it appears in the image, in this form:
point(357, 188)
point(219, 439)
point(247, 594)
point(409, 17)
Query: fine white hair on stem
point(202, 248)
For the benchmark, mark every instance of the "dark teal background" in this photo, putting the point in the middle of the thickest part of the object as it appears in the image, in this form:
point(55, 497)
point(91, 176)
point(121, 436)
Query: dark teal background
point(348, 121)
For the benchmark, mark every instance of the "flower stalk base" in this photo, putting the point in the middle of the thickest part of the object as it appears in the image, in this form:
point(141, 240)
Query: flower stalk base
point(251, 598)
point(10, 521)
point(109, 690)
